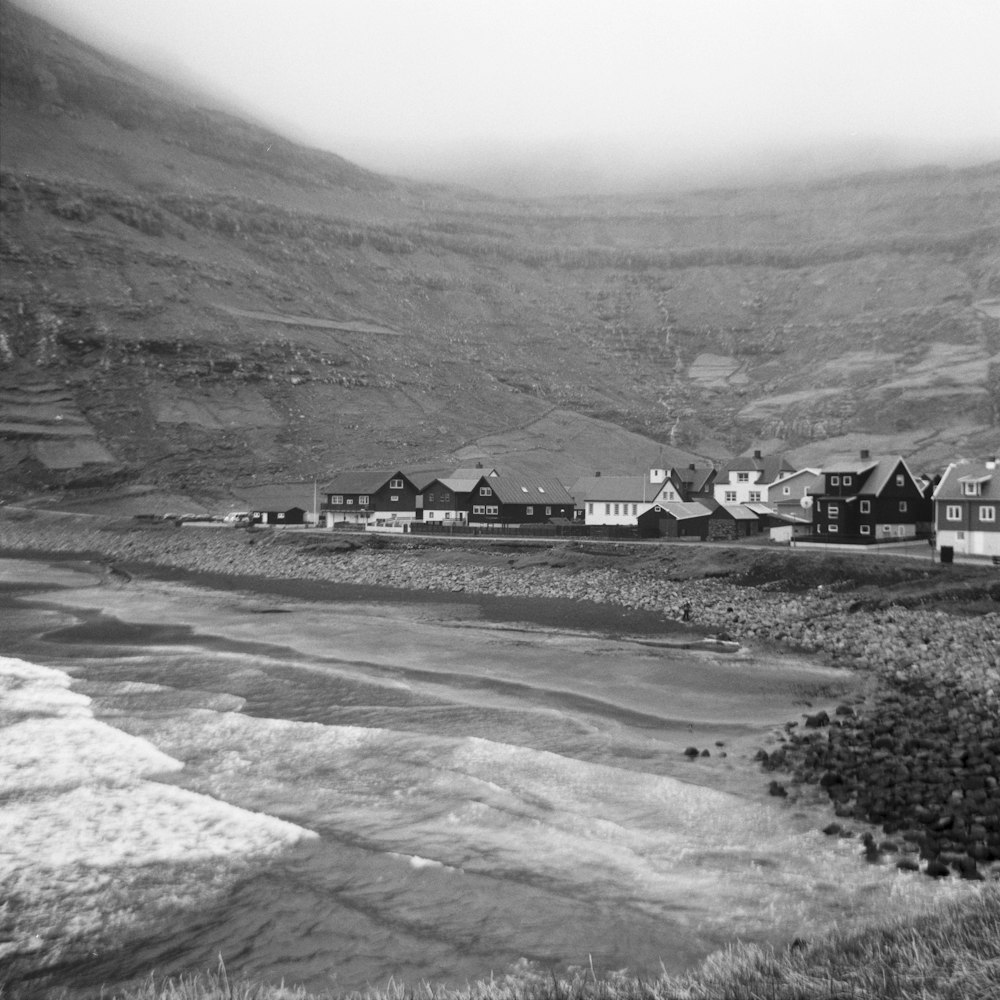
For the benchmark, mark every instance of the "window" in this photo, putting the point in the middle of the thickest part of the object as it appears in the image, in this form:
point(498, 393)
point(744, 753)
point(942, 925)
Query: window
point(848, 480)
point(834, 480)
point(363, 499)
point(834, 528)
point(987, 513)
point(970, 489)
point(445, 497)
point(394, 498)
point(834, 511)
point(590, 508)
point(786, 491)
point(281, 517)
point(900, 479)
point(337, 498)
point(548, 510)
point(886, 528)
point(866, 529)
point(635, 508)
point(491, 510)
point(478, 509)
point(755, 496)
point(529, 511)
point(395, 484)
point(616, 510)
point(730, 496)
point(866, 506)
point(953, 512)
point(902, 507)
point(485, 491)
point(607, 509)
point(743, 477)
point(349, 501)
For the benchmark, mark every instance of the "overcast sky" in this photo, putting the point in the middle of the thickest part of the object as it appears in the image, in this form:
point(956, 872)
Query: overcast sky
point(407, 85)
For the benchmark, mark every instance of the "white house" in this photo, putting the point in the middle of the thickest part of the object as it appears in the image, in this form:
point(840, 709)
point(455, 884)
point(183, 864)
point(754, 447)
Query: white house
point(748, 479)
point(966, 503)
point(617, 500)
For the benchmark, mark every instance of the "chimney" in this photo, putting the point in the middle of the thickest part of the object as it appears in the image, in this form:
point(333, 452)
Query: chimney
point(991, 463)
point(692, 466)
point(479, 465)
point(598, 474)
point(865, 454)
point(757, 454)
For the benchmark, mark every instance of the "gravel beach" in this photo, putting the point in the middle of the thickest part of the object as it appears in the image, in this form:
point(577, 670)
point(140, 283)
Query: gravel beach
point(918, 759)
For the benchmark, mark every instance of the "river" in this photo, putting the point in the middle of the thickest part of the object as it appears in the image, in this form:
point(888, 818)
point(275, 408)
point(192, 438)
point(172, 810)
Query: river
point(431, 787)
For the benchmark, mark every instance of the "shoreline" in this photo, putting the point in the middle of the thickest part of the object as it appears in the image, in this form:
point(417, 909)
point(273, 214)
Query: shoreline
point(920, 758)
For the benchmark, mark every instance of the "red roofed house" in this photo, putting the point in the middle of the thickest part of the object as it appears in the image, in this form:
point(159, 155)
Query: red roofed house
point(965, 508)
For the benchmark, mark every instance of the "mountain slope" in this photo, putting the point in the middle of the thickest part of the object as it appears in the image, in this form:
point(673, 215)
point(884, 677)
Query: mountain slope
point(189, 297)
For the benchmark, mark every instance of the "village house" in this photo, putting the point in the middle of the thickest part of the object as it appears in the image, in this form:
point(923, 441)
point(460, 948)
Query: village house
point(519, 499)
point(280, 518)
point(675, 519)
point(965, 509)
point(366, 498)
point(692, 483)
point(749, 479)
point(617, 500)
point(869, 500)
point(448, 499)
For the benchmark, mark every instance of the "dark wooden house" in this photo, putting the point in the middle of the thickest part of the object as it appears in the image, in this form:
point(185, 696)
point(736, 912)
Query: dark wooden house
point(366, 497)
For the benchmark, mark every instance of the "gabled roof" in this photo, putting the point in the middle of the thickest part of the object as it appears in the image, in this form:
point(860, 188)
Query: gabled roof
point(363, 482)
point(680, 510)
point(950, 487)
point(602, 489)
point(738, 512)
point(694, 479)
point(457, 485)
point(852, 466)
point(878, 478)
point(529, 490)
point(769, 466)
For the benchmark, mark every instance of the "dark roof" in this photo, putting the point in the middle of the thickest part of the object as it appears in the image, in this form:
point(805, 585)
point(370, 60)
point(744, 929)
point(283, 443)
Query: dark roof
point(362, 482)
point(529, 490)
point(695, 479)
point(770, 466)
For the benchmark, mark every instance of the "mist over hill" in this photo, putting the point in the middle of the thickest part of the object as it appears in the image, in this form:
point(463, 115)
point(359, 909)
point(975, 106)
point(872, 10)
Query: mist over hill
point(189, 297)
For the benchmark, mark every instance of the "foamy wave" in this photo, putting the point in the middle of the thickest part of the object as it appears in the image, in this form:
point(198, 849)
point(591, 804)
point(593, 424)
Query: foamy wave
point(77, 799)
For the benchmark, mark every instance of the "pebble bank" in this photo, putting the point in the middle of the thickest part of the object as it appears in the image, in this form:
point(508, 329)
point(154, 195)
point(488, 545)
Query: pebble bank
point(920, 758)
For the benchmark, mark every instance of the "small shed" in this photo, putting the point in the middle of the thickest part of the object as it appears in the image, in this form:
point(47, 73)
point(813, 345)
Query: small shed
point(729, 522)
point(279, 518)
point(675, 519)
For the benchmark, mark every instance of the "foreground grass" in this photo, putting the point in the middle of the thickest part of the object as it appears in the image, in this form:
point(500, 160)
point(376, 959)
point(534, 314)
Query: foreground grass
point(950, 953)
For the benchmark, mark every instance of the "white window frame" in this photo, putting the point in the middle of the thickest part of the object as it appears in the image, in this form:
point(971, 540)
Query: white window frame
point(743, 477)
point(730, 496)
point(485, 491)
point(866, 529)
point(492, 511)
point(833, 511)
point(337, 498)
point(548, 511)
point(349, 502)
point(755, 496)
point(834, 529)
point(393, 498)
point(971, 489)
point(590, 508)
point(395, 484)
point(866, 506)
point(848, 480)
point(900, 479)
point(478, 509)
point(987, 513)
point(364, 499)
point(953, 512)
point(903, 507)
point(834, 480)
point(529, 511)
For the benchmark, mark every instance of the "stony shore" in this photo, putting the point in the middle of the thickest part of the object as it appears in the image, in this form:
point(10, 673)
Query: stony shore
point(920, 758)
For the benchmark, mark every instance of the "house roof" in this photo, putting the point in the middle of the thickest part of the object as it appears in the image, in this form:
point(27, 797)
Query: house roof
point(770, 466)
point(761, 508)
point(472, 472)
point(681, 511)
point(515, 489)
point(631, 489)
point(738, 512)
point(950, 487)
point(878, 478)
point(457, 485)
point(362, 482)
point(694, 479)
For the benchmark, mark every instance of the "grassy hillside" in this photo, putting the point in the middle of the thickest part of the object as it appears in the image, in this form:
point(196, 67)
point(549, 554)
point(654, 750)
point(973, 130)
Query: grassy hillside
point(189, 297)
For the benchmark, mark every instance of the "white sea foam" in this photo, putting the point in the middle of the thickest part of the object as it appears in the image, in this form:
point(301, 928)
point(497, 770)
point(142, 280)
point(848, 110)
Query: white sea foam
point(78, 799)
